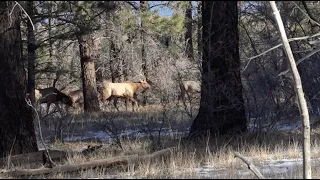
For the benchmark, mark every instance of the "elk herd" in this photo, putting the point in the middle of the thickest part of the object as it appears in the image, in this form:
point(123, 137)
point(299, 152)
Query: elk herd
point(127, 91)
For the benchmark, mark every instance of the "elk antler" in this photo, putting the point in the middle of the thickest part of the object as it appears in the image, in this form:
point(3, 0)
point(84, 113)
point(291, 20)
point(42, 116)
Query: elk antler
point(140, 73)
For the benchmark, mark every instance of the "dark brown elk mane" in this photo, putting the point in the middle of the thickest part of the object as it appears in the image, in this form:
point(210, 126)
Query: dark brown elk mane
point(52, 95)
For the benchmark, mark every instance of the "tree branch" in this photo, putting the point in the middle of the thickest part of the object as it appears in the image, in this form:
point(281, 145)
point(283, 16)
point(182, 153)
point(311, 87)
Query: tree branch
point(135, 6)
point(300, 60)
point(250, 165)
point(275, 47)
point(308, 11)
point(308, 15)
point(163, 4)
point(26, 14)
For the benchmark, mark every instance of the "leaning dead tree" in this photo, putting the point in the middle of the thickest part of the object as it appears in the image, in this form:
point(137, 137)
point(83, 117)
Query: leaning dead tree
point(88, 165)
point(303, 109)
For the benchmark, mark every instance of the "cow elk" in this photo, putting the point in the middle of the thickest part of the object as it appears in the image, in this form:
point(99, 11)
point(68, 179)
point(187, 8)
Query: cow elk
point(125, 90)
point(188, 88)
point(52, 95)
point(77, 98)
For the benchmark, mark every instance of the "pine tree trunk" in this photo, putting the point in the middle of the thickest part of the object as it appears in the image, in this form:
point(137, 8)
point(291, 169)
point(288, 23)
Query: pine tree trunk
point(17, 134)
point(199, 34)
point(188, 35)
point(221, 106)
point(90, 93)
point(31, 54)
point(144, 5)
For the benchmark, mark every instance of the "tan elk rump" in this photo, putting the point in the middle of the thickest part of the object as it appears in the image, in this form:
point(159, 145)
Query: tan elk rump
point(188, 88)
point(76, 97)
point(125, 90)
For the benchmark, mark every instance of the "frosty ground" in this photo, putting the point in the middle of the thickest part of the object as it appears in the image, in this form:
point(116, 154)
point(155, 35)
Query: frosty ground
point(278, 161)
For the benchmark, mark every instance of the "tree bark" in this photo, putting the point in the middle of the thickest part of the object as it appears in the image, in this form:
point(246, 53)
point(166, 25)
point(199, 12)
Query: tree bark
point(299, 93)
point(144, 5)
point(17, 133)
point(114, 57)
point(221, 106)
point(199, 34)
point(188, 35)
point(31, 54)
point(90, 93)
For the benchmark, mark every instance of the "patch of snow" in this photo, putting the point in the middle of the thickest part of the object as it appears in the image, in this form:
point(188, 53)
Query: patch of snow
point(105, 137)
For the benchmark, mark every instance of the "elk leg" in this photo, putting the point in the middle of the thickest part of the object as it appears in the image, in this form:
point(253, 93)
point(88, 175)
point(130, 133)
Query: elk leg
point(115, 100)
point(67, 107)
point(126, 102)
point(181, 96)
point(134, 102)
point(135, 96)
point(48, 107)
point(80, 107)
point(58, 107)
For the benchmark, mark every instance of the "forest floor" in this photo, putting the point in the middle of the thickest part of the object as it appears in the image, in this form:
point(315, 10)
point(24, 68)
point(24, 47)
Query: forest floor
point(276, 152)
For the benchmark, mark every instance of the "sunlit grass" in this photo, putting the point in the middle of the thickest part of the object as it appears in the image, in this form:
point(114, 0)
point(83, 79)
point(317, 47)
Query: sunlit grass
point(206, 158)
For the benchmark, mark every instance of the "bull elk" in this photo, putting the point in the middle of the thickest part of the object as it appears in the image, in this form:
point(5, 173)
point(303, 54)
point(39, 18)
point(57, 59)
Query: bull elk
point(125, 90)
point(187, 87)
point(52, 95)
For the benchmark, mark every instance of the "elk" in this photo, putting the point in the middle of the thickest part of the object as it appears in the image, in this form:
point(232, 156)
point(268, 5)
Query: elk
point(187, 87)
point(124, 90)
point(76, 97)
point(52, 95)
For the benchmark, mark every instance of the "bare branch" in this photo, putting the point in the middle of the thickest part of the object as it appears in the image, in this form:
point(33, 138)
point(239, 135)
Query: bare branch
point(308, 12)
point(163, 4)
point(28, 101)
point(251, 166)
point(26, 14)
point(275, 47)
point(11, 14)
point(133, 5)
point(300, 60)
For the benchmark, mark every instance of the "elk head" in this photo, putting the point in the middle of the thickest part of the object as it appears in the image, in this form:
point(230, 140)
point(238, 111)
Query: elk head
point(145, 82)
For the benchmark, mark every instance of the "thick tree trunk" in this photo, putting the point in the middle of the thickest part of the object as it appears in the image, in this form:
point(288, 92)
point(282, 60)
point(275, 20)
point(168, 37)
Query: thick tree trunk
point(144, 5)
point(50, 33)
point(188, 35)
point(221, 106)
point(199, 34)
point(31, 54)
point(90, 93)
point(17, 133)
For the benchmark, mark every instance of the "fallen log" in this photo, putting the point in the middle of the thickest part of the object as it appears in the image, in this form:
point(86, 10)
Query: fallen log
point(88, 165)
point(33, 158)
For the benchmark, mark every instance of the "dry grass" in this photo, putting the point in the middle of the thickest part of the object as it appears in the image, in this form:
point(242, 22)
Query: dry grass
point(189, 159)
